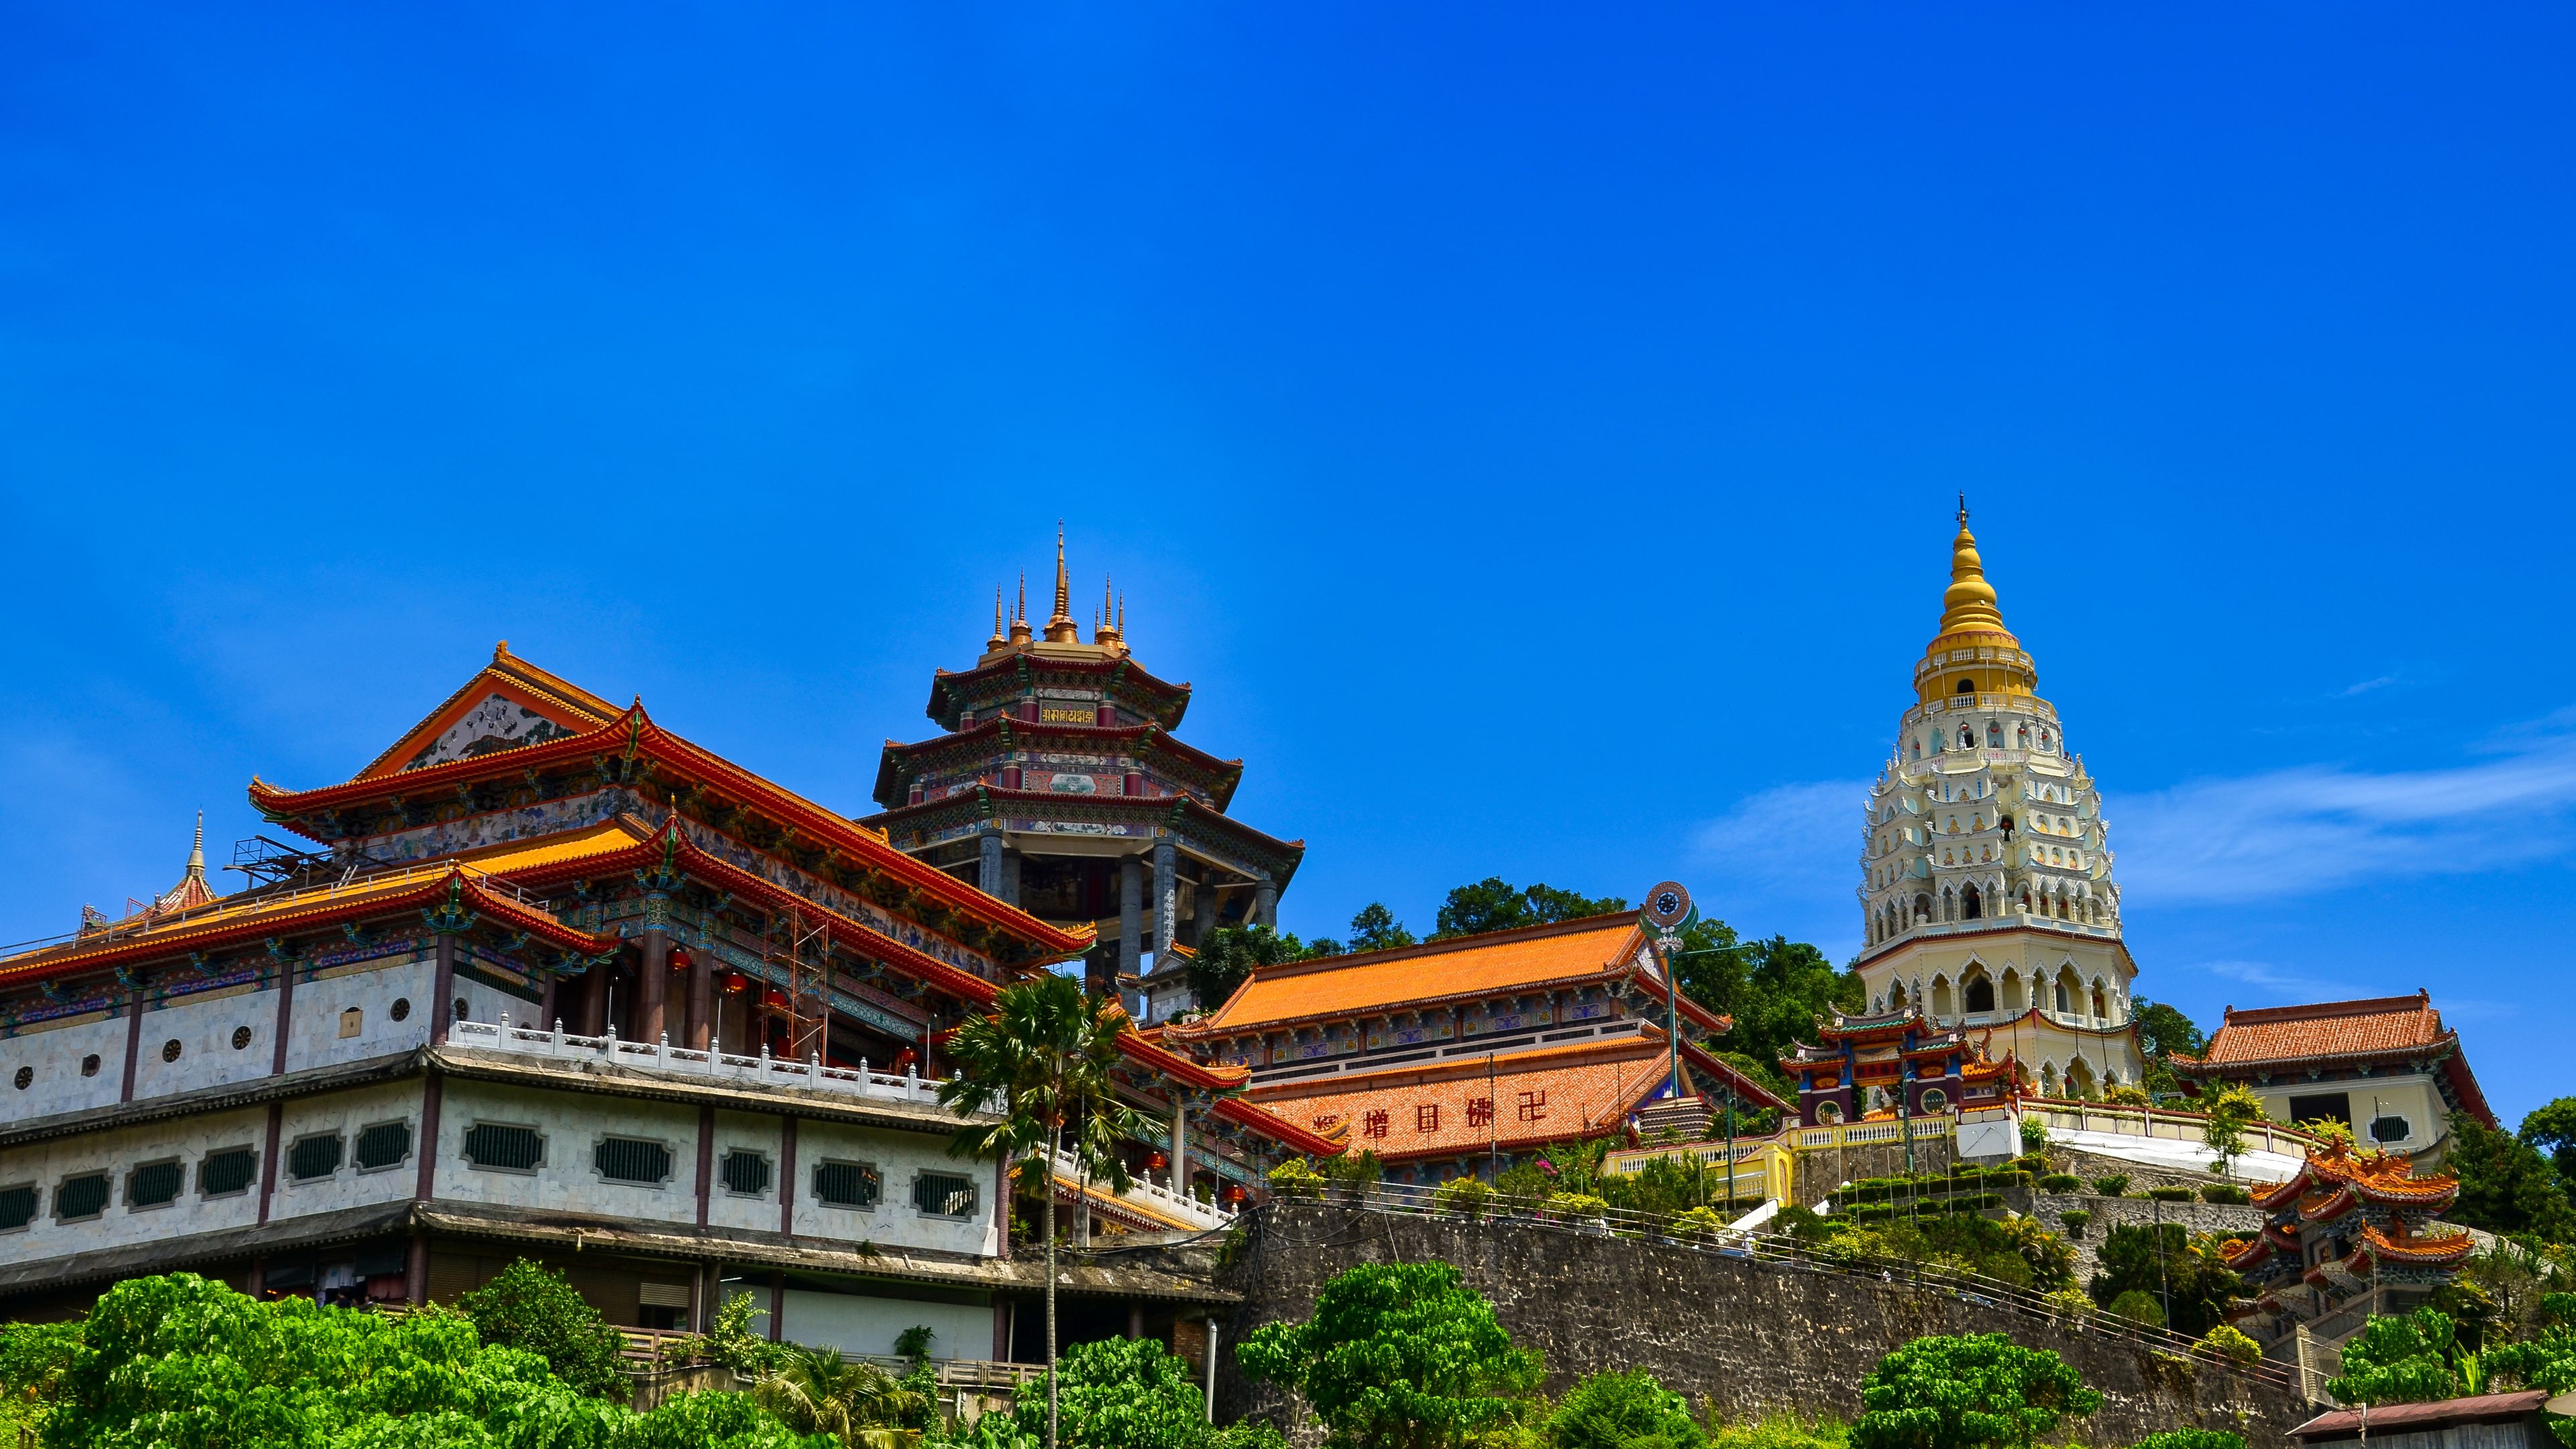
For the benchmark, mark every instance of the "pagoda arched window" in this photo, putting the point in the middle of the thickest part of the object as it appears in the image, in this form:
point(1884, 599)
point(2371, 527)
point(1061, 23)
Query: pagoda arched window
point(2021, 737)
point(1994, 735)
point(1980, 995)
point(2064, 1005)
point(1967, 738)
point(1971, 905)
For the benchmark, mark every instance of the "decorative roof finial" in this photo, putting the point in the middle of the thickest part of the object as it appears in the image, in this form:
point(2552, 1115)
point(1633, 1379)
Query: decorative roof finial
point(1020, 616)
point(1107, 633)
point(1969, 602)
point(999, 638)
point(197, 851)
point(1963, 508)
point(1060, 627)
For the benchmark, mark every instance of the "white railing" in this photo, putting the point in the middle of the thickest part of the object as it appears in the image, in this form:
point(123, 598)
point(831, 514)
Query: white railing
point(763, 1070)
point(1144, 1193)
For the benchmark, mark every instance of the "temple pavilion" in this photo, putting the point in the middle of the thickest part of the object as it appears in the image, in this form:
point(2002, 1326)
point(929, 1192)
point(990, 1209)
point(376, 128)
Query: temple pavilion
point(1060, 787)
point(2350, 1233)
point(549, 979)
point(2386, 1067)
point(1867, 1068)
point(1457, 1057)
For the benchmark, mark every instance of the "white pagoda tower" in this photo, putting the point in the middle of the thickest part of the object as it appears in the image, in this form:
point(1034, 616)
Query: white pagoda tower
point(1986, 868)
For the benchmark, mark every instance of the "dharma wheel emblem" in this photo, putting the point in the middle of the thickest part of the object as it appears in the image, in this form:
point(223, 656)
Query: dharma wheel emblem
point(1668, 905)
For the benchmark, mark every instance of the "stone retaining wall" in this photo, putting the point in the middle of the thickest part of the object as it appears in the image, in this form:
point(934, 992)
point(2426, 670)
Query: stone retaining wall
point(1749, 1336)
point(2111, 1212)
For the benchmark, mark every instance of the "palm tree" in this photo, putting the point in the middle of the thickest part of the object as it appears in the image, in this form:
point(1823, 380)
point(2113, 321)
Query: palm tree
point(820, 1392)
point(1043, 1064)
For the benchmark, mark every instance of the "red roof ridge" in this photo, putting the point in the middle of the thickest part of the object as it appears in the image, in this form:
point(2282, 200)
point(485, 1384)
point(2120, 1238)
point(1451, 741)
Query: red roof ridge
point(2312, 1011)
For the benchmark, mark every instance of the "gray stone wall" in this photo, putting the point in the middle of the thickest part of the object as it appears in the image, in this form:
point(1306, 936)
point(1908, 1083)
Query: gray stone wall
point(1749, 1336)
point(1821, 1171)
point(2111, 1212)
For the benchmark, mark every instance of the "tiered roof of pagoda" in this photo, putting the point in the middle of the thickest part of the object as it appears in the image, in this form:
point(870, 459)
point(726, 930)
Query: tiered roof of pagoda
point(1210, 779)
point(2331, 1184)
point(2337, 1172)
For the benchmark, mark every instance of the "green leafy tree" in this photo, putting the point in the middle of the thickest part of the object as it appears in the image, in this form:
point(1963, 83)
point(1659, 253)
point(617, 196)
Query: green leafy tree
point(1494, 904)
point(1944, 1392)
point(2551, 1130)
point(532, 1307)
point(1124, 1393)
point(1776, 991)
point(819, 1392)
point(1042, 1066)
point(2163, 1034)
point(1375, 928)
point(2231, 1111)
point(2187, 1275)
point(182, 1362)
point(1397, 1356)
point(1226, 958)
point(2398, 1360)
point(1622, 1411)
point(2506, 1186)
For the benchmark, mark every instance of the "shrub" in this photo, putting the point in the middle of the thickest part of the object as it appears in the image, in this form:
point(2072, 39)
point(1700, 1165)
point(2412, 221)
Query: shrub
point(1296, 1179)
point(1578, 1206)
point(1119, 1393)
point(2192, 1439)
point(1466, 1196)
point(2034, 1134)
point(2225, 1192)
point(531, 1307)
point(1943, 1392)
point(2075, 1222)
point(1782, 1431)
point(1396, 1353)
point(2170, 1194)
point(2071, 1303)
point(2138, 1306)
point(2226, 1341)
point(1699, 1222)
point(2061, 1182)
point(1622, 1411)
point(2113, 1185)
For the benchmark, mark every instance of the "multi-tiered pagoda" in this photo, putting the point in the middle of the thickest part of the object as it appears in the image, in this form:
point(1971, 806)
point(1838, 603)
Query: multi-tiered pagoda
point(2348, 1228)
point(1060, 788)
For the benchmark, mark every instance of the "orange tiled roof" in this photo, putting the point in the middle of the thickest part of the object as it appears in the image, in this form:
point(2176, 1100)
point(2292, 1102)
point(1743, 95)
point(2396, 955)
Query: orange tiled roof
point(1380, 981)
point(2408, 1247)
point(1584, 1090)
point(2326, 1029)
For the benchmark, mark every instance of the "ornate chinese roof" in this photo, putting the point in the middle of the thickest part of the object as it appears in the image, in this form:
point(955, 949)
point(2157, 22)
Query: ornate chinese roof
point(992, 738)
point(2334, 1177)
point(2406, 1247)
point(2332, 1033)
point(1463, 968)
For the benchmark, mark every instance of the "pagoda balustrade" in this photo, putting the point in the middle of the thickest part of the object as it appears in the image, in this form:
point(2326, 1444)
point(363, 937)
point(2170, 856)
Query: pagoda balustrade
point(763, 1070)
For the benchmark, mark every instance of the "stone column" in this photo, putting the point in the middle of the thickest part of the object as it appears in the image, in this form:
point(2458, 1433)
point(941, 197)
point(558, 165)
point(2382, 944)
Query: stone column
point(1011, 876)
point(590, 1018)
point(1166, 901)
point(1265, 902)
point(1206, 902)
point(442, 989)
point(653, 991)
point(1180, 1147)
point(1131, 915)
point(988, 868)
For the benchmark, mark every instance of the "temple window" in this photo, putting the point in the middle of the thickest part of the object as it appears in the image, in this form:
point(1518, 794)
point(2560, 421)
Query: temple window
point(1967, 686)
point(1935, 1100)
point(1981, 995)
point(2062, 1002)
point(2391, 1128)
point(1829, 1113)
point(1994, 735)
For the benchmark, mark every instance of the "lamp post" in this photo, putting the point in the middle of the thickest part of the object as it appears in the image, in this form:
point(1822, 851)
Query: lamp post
point(1667, 913)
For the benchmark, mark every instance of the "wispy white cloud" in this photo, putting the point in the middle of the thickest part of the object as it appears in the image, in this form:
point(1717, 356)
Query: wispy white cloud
point(2317, 827)
point(2366, 686)
point(2272, 980)
point(1804, 838)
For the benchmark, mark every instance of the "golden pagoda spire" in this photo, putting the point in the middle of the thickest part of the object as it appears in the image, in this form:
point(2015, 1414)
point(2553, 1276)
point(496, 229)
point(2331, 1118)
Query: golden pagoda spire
point(1969, 602)
point(999, 637)
point(1020, 615)
point(1060, 627)
point(1108, 631)
point(192, 889)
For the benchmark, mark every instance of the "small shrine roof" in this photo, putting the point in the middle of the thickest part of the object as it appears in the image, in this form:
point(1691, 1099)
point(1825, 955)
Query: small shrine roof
point(950, 692)
point(2406, 1246)
point(1003, 732)
point(2326, 1029)
point(1374, 983)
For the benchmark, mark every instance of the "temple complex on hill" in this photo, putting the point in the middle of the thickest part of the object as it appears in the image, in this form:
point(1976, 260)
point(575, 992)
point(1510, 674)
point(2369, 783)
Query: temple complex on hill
point(2386, 1067)
point(1454, 1057)
point(1060, 788)
point(554, 981)
point(1986, 895)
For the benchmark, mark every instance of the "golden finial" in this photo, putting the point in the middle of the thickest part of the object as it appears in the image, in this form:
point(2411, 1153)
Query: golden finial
point(1060, 627)
point(1107, 632)
point(1969, 602)
point(1020, 616)
point(999, 638)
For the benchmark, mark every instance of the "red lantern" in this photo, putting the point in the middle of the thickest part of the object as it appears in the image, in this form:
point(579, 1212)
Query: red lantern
point(1156, 1162)
point(1234, 1192)
point(680, 961)
point(735, 983)
point(774, 1000)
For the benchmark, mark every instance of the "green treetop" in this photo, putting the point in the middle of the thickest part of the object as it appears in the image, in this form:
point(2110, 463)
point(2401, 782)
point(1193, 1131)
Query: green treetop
point(1943, 1392)
point(1397, 1356)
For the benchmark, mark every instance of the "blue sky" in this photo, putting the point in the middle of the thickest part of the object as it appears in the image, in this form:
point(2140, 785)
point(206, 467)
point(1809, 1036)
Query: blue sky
point(1532, 430)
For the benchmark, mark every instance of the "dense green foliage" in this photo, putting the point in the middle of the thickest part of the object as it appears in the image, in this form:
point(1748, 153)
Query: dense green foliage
point(1781, 1431)
point(1396, 1356)
point(1622, 1411)
point(1943, 1392)
point(2187, 1276)
point(1494, 904)
point(2162, 1033)
point(1122, 1393)
point(2192, 1439)
point(1226, 957)
point(1776, 990)
point(2506, 1185)
point(180, 1362)
point(531, 1307)
point(1375, 928)
point(2399, 1360)
point(2016, 1251)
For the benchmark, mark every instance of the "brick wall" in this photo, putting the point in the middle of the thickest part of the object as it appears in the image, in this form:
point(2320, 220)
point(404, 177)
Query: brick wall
point(1748, 1335)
